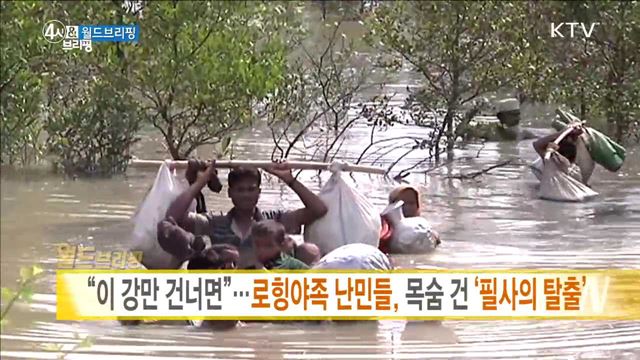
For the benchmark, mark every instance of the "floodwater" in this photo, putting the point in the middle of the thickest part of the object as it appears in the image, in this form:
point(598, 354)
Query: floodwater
point(494, 221)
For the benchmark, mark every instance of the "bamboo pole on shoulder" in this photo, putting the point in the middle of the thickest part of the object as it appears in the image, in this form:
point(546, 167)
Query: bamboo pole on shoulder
point(228, 164)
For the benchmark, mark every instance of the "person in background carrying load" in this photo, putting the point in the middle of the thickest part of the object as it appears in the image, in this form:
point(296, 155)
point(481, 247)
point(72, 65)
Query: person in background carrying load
point(568, 148)
point(244, 191)
point(411, 208)
point(590, 146)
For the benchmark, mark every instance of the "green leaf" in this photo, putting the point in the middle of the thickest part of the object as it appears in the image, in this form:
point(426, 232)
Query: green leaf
point(86, 342)
point(36, 270)
point(26, 294)
point(52, 347)
point(26, 273)
point(7, 294)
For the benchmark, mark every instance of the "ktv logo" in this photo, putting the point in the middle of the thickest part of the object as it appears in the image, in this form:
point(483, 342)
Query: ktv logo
point(556, 29)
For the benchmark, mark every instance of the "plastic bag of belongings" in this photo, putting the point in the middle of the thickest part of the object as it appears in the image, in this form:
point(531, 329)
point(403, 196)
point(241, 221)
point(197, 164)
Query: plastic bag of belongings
point(165, 189)
point(411, 235)
point(592, 147)
point(351, 218)
point(355, 257)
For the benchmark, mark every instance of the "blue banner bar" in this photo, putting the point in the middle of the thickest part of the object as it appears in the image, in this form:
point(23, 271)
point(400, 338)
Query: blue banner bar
point(109, 33)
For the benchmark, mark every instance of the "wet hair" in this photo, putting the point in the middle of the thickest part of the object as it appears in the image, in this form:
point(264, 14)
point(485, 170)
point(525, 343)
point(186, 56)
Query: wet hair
point(216, 257)
point(568, 150)
point(270, 228)
point(241, 173)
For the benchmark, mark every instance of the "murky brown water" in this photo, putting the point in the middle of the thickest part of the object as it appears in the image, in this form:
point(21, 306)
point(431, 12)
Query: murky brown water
point(495, 222)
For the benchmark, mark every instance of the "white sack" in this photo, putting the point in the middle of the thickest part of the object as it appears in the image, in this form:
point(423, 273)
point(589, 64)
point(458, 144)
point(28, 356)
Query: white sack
point(558, 185)
point(410, 235)
point(355, 257)
point(165, 189)
point(350, 218)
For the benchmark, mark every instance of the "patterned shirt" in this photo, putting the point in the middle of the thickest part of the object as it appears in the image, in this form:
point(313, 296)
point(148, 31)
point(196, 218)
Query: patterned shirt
point(219, 228)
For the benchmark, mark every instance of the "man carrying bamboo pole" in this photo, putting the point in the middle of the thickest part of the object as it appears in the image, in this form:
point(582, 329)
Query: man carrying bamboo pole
point(244, 191)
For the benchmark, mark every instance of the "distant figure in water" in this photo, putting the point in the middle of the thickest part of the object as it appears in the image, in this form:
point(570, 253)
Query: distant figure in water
point(411, 208)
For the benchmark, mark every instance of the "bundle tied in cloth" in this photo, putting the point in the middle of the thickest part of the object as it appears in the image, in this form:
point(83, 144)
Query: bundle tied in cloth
point(355, 257)
point(166, 188)
point(350, 218)
point(508, 111)
point(602, 149)
point(411, 235)
point(557, 183)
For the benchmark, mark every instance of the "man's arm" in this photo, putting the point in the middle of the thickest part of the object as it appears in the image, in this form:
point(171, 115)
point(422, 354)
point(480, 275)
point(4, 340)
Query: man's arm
point(314, 208)
point(179, 208)
point(541, 144)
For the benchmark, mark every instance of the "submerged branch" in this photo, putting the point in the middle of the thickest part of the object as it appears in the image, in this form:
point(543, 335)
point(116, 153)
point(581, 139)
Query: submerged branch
point(475, 174)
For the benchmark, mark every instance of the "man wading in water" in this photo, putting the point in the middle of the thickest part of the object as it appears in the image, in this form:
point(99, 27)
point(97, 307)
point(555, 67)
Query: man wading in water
point(567, 149)
point(244, 191)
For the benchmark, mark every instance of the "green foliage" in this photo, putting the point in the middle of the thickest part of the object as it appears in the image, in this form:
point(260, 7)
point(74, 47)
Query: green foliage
point(91, 126)
point(90, 115)
point(462, 50)
point(202, 66)
point(196, 76)
point(24, 292)
point(28, 276)
point(80, 99)
point(84, 343)
point(598, 77)
point(21, 60)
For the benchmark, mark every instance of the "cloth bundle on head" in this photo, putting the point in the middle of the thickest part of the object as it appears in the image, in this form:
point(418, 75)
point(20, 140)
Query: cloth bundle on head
point(510, 104)
point(508, 111)
point(584, 164)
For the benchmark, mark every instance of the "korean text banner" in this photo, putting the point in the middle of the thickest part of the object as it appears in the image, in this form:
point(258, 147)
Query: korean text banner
point(348, 295)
